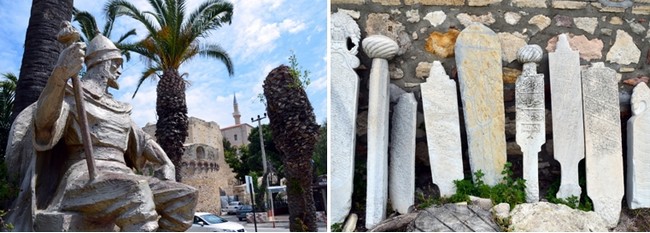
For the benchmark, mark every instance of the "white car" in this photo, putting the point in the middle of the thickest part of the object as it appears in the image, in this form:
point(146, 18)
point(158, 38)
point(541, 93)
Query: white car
point(208, 222)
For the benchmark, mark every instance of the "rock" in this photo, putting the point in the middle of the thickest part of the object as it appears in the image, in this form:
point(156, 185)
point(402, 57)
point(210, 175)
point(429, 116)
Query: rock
point(546, 217)
point(414, 35)
point(352, 13)
point(528, 3)
point(482, 2)
point(466, 19)
point(436, 18)
point(634, 81)
point(395, 72)
point(606, 31)
point(483, 203)
point(442, 45)
point(616, 20)
point(381, 24)
point(540, 21)
point(512, 18)
point(422, 70)
point(510, 44)
point(351, 223)
point(452, 217)
point(624, 50)
point(637, 28)
point(512, 147)
point(501, 211)
point(587, 24)
point(510, 75)
point(588, 49)
point(413, 16)
point(563, 21)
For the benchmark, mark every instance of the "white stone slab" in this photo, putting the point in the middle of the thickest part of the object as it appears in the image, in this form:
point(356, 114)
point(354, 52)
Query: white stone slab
point(638, 150)
point(379, 48)
point(401, 177)
point(566, 106)
point(344, 87)
point(478, 57)
point(440, 104)
point(530, 118)
point(603, 149)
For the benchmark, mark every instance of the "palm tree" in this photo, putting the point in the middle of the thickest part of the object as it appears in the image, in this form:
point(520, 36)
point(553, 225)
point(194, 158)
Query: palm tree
point(41, 49)
point(89, 29)
point(7, 94)
point(295, 133)
point(173, 40)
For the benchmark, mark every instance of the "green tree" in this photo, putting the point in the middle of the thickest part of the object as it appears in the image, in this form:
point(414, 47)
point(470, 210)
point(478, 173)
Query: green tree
point(320, 151)
point(250, 157)
point(7, 92)
point(295, 133)
point(172, 40)
point(89, 29)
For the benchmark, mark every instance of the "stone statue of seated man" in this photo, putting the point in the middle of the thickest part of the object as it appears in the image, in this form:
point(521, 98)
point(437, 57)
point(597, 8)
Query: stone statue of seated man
point(47, 151)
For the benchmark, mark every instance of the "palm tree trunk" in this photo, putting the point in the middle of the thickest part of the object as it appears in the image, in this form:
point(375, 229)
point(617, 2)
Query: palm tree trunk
point(302, 211)
point(171, 108)
point(41, 49)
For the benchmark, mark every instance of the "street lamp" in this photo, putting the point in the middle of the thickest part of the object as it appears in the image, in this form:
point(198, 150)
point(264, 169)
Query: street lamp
point(268, 191)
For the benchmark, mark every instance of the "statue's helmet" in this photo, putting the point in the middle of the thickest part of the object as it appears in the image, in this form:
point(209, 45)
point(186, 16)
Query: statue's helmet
point(101, 49)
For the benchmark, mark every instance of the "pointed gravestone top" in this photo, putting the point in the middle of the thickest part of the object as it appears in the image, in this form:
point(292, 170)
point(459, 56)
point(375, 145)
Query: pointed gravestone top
point(440, 104)
point(478, 56)
point(566, 104)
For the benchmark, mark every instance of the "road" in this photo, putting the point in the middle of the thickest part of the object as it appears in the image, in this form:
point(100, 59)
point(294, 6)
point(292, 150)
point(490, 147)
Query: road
point(282, 224)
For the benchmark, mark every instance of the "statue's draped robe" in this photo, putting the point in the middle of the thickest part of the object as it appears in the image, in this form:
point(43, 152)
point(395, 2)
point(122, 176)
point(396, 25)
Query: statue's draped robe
point(53, 174)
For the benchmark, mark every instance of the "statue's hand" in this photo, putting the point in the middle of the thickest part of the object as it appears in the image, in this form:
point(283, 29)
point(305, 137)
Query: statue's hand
point(71, 60)
point(166, 172)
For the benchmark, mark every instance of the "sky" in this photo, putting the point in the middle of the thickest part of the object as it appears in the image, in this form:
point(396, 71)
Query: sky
point(261, 37)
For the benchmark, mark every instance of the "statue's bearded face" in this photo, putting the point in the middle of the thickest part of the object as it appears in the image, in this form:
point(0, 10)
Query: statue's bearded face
point(114, 71)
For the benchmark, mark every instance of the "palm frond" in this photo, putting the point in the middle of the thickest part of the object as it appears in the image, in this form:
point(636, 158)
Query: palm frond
point(159, 9)
point(149, 72)
point(215, 51)
point(132, 32)
point(211, 14)
point(87, 23)
point(116, 8)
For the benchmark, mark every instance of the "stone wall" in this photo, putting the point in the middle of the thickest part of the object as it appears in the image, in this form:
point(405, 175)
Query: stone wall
point(610, 31)
point(203, 165)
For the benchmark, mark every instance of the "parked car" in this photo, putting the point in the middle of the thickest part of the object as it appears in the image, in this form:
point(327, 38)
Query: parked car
point(242, 211)
point(232, 207)
point(208, 222)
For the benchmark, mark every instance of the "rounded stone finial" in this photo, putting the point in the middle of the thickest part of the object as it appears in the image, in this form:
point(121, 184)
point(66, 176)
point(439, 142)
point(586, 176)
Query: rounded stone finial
point(378, 46)
point(530, 53)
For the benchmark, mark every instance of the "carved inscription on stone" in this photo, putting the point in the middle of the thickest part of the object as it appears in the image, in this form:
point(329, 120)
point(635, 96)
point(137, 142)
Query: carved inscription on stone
point(478, 57)
point(440, 104)
point(531, 127)
point(603, 149)
point(566, 104)
point(344, 87)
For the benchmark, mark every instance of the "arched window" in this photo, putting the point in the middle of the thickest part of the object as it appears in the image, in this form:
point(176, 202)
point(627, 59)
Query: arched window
point(235, 137)
point(200, 153)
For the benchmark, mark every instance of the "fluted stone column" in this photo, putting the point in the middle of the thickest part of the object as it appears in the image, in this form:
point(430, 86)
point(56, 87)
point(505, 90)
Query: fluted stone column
point(530, 120)
point(380, 49)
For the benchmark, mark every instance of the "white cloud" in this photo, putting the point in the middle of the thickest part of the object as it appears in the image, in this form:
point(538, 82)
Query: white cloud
point(292, 26)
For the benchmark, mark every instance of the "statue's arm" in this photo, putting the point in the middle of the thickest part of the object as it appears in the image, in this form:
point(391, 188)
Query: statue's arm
point(149, 151)
point(50, 103)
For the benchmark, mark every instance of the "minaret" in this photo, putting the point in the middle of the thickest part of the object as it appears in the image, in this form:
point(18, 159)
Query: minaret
point(236, 114)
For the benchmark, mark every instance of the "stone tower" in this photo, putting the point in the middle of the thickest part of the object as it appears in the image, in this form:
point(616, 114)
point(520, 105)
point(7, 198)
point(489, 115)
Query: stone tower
point(236, 114)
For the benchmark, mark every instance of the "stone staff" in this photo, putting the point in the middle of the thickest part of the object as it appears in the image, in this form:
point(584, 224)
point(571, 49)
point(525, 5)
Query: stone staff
point(67, 36)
